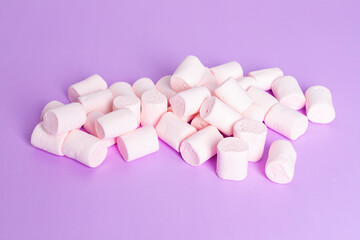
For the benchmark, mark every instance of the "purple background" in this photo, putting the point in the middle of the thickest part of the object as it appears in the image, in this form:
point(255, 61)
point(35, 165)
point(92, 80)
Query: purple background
point(45, 46)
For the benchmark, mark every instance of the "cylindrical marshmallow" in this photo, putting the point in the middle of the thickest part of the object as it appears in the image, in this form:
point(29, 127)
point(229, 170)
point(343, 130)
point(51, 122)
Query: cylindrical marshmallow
point(224, 71)
point(84, 148)
point(265, 77)
point(153, 106)
point(255, 112)
point(164, 86)
point(183, 118)
point(208, 77)
point(65, 118)
point(262, 98)
point(211, 86)
point(46, 141)
point(138, 143)
point(121, 89)
point(173, 130)
point(254, 133)
point(280, 164)
point(287, 91)
point(142, 85)
point(201, 146)
point(232, 162)
point(231, 93)
point(116, 123)
point(188, 102)
point(319, 106)
point(131, 102)
point(89, 126)
point(199, 123)
point(98, 101)
point(91, 84)
point(246, 82)
point(188, 74)
point(220, 115)
point(49, 106)
point(286, 121)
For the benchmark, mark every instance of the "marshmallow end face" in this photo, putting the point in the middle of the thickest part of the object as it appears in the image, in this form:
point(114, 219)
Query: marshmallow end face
point(99, 130)
point(98, 155)
point(232, 144)
point(189, 155)
point(321, 113)
point(178, 84)
point(276, 173)
point(299, 128)
point(249, 125)
point(73, 95)
point(178, 105)
point(51, 123)
point(207, 107)
point(122, 149)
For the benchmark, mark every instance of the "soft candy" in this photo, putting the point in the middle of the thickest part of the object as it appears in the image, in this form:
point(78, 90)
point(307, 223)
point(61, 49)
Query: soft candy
point(89, 126)
point(208, 77)
point(98, 101)
point(255, 112)
point(49, 106)
point(262, 98)
point(183, 118)
point(287, 91)
point(224, 71)
point(131, 102)
point(164, 86)
point(121, 89)
point(142, 85)
point(153, 106)
point(91, 84)
point(319, 106)
point(246, 82)
point(265, 77)
point(199, 123)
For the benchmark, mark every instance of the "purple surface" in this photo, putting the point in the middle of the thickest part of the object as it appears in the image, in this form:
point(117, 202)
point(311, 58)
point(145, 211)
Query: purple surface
point(45, 46)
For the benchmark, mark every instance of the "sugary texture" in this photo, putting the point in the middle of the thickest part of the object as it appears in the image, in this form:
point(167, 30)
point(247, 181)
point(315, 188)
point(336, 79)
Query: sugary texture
point(265, 77)
point(173, 130)
point(49, 106)
point(224, 71)
point(254, 133)
point(89, 126)
point(201, 146)
point(65, 118)
point(280, 164)
point(220, 115)
point(188, 102)
point(246, 82)
point(164, 86)
point(199, 123)
point(131, 102)
point(153, 106)
point(98, 101)
point(183, 118)
point(121, 89)
point(232, 159)
point(262, 98)
point(138, 143)
point(319, 106)
point(116, 123)
point(286, 121)
point(189, 74)
point(142, 85)
point(85, 148)
point(287, 91)
point(91, 84)
point(231, 93)
point(255, 112)
point(41, 139)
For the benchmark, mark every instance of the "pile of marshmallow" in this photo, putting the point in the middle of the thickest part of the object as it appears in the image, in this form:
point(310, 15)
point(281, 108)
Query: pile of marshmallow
point(197, 111)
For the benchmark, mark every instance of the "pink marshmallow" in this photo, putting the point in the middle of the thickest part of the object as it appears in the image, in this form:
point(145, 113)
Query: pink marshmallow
point(121, 89)
point(164, 87)
point(91, 84)
point(208, 77)
point(183, 118)
point(224, 71)
point(153, 106)
point(246, 82)
point(131, 102)
point(287, 91)
point(265, 77)
point(142, 85)
point(262, 98)
point(199, 123)
point(319, 106)
point(89, 126)
point(255, 112)
point(49, 106)
point(98, 101)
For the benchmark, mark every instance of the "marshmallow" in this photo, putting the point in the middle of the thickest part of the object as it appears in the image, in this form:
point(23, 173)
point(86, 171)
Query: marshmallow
point(121, 89)
point(173, 130)
point(224, 71)
point(188, 102)
point(199, 123)
point(49, 106)
point(153, 106)
point(211, 86)
point(255, 112)
point(286, 121)
point(116, 123)
point(201, 146)
point(287, 91)
point(98, 101)
point(265, 77)
point(183, 118)
point(65, 118)
point(138, 143)
point(262, 98)
point(188, 74)
point(91, 84)
point(142, 85)
point(46, 141)
point(208, 77)
point(280, 164)
point(319, 106)
point(246, 82)
point(89, 126)
point(164, 87)
point(84, 148)
point(220, 115)
point(232, 163)
point(254, 133)
point(231, 93)
point(131, 102)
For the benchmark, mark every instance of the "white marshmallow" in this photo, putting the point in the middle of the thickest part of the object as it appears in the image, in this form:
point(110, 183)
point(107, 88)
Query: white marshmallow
point(211, 86)
point(254, 133)
point(188, 74)
point(65, 118)
point(262, 98)
point(220, 115)
point(199, 123)
point(231, 93)
point(84, 148)
point(121, 89)
point(153, 106)
point(232, 163)
point(89, 126)
point(138, 143)
point(224, 71)
point(287, 91)
point(142, 85)
point(173, 130)
point(246, 82)
point(91, 84)
point(98, 101)
point(49, 106)
point(255, 112)
point(46, 141)
point(201, 146)
point(183, 118)
point(116, 123)
point(319, 106)
point(286, 121)
point(265, 77)
point(208, 77)
point(280, 164)
point(131, 102)
point(164, 87)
